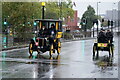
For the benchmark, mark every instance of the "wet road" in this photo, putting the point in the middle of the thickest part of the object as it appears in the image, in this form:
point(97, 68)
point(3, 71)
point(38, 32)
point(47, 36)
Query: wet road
point(75, 61)
point(0, 42)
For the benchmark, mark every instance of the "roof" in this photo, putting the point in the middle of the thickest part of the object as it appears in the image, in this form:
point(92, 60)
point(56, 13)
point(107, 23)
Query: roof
point(50, 20)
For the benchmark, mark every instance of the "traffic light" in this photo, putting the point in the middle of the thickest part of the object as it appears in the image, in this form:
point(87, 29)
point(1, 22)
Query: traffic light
point(81, 23)
point(95, 21)
point(102, 20)
point(111, 23)
point(28, 22)
point(35, 23)
point(108, 22)
point(5, 21)
point(84, 21)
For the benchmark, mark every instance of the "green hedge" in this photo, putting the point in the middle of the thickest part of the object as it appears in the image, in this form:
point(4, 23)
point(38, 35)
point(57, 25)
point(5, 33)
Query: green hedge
point(67, 35)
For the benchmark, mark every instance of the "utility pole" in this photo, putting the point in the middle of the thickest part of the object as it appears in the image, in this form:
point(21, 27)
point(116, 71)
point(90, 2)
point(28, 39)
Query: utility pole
point(43, 12)
point(6, 32)
point(60, 5)
point(97, 16)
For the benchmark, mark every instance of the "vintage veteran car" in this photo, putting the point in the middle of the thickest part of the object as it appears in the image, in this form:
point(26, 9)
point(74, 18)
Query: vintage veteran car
point(48, 34)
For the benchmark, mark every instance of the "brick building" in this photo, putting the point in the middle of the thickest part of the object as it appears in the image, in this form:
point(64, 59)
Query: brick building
point(72, 23)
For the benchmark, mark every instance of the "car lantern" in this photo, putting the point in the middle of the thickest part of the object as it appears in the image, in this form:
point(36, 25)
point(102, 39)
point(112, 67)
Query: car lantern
point(36, 43)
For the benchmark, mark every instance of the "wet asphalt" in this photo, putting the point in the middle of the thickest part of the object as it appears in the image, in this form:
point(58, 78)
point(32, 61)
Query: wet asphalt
point(74, 61)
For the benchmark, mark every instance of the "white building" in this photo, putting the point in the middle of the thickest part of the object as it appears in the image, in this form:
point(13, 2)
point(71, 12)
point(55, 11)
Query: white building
point(112, 14)
point(119, 15)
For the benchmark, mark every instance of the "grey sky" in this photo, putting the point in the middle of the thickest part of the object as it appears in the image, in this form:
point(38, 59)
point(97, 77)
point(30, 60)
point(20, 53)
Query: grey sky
point(81, 6)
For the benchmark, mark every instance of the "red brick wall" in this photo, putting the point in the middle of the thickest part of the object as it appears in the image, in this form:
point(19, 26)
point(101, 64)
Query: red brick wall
point(72, 23)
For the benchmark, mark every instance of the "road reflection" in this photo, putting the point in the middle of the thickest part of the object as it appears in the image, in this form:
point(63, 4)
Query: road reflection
point(46, 65)
point(3, 57)
point(104, 62)
point(45, 57)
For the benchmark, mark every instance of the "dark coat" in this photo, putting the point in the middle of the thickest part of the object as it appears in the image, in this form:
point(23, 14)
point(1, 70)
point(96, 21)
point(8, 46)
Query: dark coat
point(109, 36)
point(52, 30)
point(43, 33)
point(102, 38)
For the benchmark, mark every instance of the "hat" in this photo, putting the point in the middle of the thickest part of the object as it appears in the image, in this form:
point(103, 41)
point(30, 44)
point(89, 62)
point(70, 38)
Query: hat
point(52, 24)
point(102, 29)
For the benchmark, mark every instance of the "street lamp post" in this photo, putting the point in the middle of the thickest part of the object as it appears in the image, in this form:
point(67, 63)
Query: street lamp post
point(115, 17)
point(97, 16)
point(43, 6)
point(118, 24)
point(60, 7)
point(84, 23)
point(112, 15)
point(93, 30)
point(6, 32)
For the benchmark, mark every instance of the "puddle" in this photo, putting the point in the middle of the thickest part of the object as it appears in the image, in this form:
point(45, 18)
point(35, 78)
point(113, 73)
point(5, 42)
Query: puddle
point(105, 63)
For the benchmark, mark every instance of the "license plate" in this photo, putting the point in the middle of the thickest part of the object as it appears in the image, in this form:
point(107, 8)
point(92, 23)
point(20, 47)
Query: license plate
point(102, 44)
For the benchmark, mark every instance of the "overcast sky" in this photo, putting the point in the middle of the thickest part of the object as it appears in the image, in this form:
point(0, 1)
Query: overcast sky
point(81, 5)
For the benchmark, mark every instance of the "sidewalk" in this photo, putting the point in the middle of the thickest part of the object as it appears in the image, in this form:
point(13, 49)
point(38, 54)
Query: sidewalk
point(15, 47)
point(76, 39)
point(26, 45)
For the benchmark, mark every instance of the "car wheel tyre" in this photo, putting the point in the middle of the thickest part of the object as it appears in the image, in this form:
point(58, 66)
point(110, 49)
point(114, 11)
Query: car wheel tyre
point(97, 54)
point(51, 50)
point(30, 49)
point(112, 49)
point(94, 49)
point(59, 48)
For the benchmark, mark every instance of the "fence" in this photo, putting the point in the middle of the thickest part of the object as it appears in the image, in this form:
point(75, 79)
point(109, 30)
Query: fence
point(9, 41)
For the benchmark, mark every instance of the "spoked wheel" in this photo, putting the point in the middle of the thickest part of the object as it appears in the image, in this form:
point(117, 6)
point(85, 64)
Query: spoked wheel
point(94, 49)
point(59, 48)
point(97, 56)
point(51, 50)
point(111, 51)
point(30, 49)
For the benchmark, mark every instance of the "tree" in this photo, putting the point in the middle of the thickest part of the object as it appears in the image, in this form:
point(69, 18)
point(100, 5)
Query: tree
point(53, 10)
point(20, 15)
point(90, 16)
